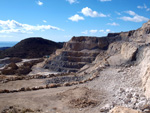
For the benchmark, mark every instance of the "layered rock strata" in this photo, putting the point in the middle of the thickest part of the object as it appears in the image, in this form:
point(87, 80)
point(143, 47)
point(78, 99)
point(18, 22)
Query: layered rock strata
point(78, 52)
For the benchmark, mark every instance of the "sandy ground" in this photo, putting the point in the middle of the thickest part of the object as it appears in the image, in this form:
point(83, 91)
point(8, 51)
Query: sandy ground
point(84, 98)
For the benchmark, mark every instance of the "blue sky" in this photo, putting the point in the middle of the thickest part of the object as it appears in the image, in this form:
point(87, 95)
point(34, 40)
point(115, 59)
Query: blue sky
point(59, 20)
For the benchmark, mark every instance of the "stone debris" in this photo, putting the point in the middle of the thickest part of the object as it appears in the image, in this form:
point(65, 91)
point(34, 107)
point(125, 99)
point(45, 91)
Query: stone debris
point(17, 109)
point(129, 98)
point(120, 109)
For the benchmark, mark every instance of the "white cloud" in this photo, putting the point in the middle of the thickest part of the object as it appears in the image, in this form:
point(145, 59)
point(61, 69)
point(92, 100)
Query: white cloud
point(89, 12)
point(113, 24)
point(67, 36)
point(12, 26)
point(72, 1)
point(93, 31)
point(44, 21)
point(105, 0)
point(143, 7)
point(96, 31)
point(148, 9)
point(101, 31)
point(105, 31)
point(108, 30)
point(85, 32)
point(130, 13)
point(140, 7)
point(40, 3)
point(76, 18)
point(118, 13)
point(135, 17)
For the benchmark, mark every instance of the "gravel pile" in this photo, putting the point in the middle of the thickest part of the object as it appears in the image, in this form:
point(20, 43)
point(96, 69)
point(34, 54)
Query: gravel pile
point(130, 98)
point(61, 80)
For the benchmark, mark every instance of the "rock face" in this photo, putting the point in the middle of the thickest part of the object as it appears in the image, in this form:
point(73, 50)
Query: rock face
point(89, 43)
point(10, 69)
point(118, 49)
point(76, 53)
point(31, 48)
point(141, 35)
point(144, 60)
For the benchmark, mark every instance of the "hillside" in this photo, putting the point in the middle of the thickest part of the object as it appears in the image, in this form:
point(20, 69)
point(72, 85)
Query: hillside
point(3, 48)
point(31, 48)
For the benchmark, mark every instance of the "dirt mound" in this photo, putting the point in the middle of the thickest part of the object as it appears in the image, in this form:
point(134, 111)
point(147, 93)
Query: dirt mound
point(81, 97)
point(83, 102)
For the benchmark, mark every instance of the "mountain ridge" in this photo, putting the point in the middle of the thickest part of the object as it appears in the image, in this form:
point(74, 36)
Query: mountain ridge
point(33, 47)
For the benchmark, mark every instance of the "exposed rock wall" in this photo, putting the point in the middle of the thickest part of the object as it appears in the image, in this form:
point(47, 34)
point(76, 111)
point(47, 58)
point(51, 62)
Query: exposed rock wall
point(144, 63)
point(81, 43)
point(118, 48)
point(70, 61)
point(76, 53)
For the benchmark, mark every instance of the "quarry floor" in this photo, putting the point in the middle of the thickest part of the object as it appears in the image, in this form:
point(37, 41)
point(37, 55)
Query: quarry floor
point(82, 98)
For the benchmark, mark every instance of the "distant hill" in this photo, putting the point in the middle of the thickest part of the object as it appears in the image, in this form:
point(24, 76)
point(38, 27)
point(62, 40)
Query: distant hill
point(34, 47)
point(3, 48)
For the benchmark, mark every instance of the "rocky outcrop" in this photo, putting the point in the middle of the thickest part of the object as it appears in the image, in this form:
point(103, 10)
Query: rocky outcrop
point(80, 51)
point(76, 53)
point(119, 48)
point(120, 109)
point(10, 69)
point(7, 61)
point(89, 43)
point(141, 35)
point(24, 69)
point(128, 50)
point(121, 53)
point(71, 61)
point(144, 59)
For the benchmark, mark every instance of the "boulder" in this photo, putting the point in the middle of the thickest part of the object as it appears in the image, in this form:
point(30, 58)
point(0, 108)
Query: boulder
point(10, 69)
point(128, 50)
point(12, 66)
point(120, 109)
point(23, 70)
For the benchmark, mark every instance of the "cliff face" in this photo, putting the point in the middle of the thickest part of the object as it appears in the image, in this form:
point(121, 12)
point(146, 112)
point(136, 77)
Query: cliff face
point(89, 43)
point(132, 51)
point(115, 49)
point(142, 34)
point(80, 51)
point(76, 53)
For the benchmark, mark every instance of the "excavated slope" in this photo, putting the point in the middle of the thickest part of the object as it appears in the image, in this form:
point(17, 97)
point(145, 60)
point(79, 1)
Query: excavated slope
point(115, 49)
point(78, 52)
